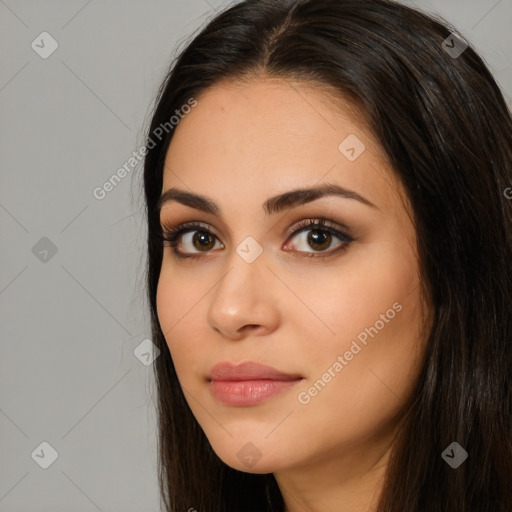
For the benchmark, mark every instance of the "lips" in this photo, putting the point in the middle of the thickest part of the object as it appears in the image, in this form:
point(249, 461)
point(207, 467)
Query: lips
point(248, 384)
point(249, 371)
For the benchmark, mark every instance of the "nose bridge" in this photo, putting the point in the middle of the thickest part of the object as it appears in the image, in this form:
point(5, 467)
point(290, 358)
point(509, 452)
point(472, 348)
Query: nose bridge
point(239, 285)
point(242, 297)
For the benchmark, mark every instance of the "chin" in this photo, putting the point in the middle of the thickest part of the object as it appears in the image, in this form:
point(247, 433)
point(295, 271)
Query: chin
point(251, 457)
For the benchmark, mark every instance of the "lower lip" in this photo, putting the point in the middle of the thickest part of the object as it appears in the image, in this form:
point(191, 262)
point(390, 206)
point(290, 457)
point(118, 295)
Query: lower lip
point(248, 392)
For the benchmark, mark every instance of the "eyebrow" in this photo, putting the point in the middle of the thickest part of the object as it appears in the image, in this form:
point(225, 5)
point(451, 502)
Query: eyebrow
point(273, 205)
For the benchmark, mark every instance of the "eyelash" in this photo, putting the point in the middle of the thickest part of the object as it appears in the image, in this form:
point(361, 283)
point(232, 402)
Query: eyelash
point(172, 235)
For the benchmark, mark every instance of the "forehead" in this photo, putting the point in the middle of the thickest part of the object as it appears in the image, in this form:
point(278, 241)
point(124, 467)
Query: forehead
point(264, 136)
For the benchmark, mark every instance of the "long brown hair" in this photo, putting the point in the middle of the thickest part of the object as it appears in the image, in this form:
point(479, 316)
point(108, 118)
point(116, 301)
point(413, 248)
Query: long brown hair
point(443, 122)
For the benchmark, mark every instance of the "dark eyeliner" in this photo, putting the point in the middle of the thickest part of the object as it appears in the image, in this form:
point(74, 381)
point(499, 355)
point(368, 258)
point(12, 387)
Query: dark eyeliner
point(170, 236)
point(321, 224)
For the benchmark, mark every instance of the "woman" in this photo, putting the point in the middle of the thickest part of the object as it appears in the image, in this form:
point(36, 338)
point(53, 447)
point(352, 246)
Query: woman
point(329, 264)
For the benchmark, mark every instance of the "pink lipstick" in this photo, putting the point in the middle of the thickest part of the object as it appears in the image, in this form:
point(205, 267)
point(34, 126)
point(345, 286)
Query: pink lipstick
point(248, 383)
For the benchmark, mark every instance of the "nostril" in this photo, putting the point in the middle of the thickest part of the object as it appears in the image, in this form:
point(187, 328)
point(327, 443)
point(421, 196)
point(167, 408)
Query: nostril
point(250, 327)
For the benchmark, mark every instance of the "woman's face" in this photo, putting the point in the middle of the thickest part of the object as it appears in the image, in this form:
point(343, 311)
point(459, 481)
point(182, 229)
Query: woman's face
point(337, 308)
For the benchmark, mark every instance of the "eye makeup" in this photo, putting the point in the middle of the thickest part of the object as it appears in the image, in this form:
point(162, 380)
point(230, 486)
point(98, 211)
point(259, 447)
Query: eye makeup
point(321, 230)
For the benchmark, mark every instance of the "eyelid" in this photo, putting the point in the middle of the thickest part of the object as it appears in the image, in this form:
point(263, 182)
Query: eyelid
point(319, 223)
point(174, 234)
point(292, 230)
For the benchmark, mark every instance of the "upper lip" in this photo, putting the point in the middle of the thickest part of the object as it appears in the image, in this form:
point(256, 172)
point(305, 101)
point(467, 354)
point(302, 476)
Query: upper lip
point(248, 371)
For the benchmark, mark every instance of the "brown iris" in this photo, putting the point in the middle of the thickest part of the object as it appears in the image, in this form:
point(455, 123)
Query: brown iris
point(319, 238)
point(202, 240)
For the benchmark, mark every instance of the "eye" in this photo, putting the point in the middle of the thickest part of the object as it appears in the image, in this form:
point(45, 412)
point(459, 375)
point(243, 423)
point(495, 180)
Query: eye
point(191, 239)
point(319, 236)
point(193, 235)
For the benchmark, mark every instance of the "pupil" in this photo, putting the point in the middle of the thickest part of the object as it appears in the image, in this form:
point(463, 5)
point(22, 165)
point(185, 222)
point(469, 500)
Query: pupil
point(202, 240)
point(321, 238)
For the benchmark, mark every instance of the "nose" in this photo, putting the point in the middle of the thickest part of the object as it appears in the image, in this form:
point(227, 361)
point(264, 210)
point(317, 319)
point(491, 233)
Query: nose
point(245, 302)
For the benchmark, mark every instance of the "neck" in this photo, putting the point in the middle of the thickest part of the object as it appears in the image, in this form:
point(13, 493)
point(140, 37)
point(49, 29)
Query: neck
point(347, 482)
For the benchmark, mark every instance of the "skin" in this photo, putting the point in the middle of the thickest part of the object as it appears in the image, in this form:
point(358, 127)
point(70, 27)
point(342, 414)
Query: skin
point(242, 144)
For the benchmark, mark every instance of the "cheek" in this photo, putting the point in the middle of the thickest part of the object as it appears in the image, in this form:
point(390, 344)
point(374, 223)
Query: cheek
point(177, 309)
point(167, 305)
point(364, 294)
point(373, 311)
point(177, 298)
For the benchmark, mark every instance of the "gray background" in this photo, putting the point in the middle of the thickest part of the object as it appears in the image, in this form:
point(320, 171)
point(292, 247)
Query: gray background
point(70, 321)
